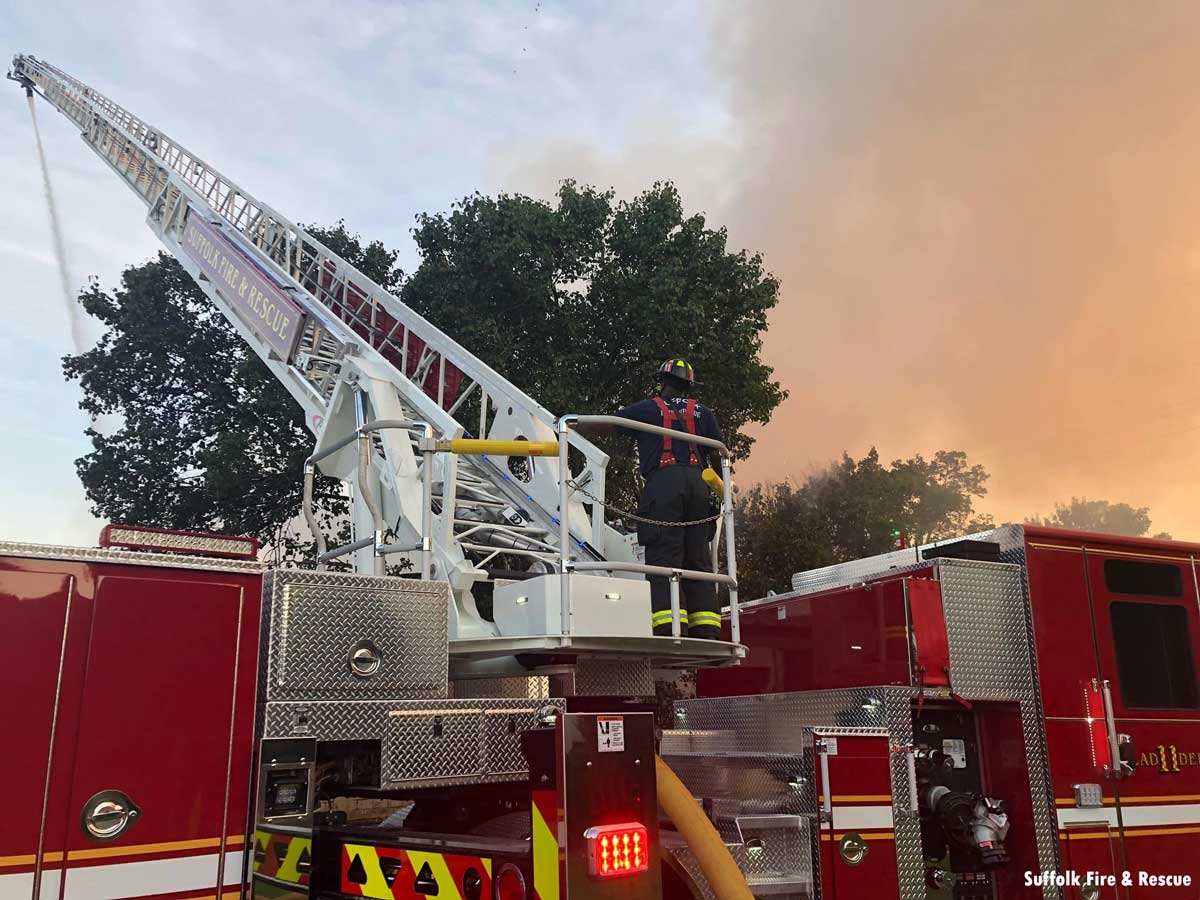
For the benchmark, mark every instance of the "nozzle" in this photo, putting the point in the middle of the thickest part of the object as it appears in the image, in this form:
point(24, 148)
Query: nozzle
point(22, 81)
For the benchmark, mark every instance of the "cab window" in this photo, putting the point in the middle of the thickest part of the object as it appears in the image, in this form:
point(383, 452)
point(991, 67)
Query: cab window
point(1156, 667)
point(1128, 576)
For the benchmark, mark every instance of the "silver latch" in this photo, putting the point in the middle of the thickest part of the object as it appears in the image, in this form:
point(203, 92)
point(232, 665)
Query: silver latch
point(854, 849)
point(107, 815)
point(365, 659)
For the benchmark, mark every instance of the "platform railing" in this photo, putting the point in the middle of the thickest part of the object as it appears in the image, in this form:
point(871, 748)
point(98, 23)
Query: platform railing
point(563, 427)
point(362, 435)
point(427, 445)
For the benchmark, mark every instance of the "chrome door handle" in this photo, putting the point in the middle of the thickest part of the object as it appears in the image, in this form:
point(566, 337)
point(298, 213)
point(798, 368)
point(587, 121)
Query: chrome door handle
point(854, 849)
point(107, 815)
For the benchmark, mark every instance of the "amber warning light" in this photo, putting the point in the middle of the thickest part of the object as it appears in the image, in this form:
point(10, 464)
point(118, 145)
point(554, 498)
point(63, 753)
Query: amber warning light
point(616, 850)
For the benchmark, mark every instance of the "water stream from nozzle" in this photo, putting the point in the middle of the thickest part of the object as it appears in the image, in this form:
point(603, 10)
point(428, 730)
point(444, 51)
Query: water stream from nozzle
point(74, 316)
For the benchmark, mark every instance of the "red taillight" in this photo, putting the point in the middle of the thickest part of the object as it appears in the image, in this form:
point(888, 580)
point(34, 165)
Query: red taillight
point(509, 884)
point(615, 850)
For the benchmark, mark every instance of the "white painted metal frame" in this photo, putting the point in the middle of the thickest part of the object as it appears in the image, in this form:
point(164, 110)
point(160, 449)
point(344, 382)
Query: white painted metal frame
point(353, 365)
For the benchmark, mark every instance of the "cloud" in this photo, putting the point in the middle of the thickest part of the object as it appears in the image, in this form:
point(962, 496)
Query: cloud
point(986, 233)
point(984, 215)
point(986, 226)
point(371, 111)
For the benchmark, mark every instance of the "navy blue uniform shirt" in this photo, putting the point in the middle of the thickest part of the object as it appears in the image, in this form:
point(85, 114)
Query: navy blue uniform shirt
point(650, 446)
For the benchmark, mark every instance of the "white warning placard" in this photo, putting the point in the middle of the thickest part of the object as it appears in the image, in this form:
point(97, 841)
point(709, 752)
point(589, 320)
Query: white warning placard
point(610, 734)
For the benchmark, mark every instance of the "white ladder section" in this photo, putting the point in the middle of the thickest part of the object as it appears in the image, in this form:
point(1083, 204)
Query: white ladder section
point(378, 383)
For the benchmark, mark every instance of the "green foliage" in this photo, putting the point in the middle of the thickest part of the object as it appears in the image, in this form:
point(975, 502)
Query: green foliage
point(579, 302)
point(207, 438)
point(1100, 515)
point(576, 302)
point(852, 509)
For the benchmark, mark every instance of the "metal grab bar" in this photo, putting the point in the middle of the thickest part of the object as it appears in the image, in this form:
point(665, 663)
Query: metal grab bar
point(635, 425)
point(666, 571)
point(364, 474)
point(362, 433)
point(563, 427)
point(347, 548)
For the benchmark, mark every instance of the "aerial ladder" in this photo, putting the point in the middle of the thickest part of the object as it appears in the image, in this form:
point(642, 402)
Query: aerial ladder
point(454, 472)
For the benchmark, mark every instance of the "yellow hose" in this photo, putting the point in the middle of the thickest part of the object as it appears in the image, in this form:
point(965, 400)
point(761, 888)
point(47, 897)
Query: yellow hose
point(724, 877)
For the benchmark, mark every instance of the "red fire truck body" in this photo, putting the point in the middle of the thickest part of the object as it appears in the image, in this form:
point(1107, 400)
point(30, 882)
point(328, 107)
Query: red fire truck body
point(198, 727)
point(134, 673)
point(158, 700)
point(1050, 669)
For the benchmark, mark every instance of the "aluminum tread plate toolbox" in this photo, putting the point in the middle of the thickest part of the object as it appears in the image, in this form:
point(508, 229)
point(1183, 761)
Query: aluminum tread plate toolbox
point(315, 624)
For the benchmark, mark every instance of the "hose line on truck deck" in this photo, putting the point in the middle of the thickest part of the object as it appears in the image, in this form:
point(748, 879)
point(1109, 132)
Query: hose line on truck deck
point(723, 874)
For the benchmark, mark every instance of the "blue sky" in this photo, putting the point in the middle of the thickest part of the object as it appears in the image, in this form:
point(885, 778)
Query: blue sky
point(368, 111)
point(984, 216)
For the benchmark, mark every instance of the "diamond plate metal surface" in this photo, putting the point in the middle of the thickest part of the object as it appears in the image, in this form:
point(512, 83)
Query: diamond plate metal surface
point(213, 543)
point(595, 677)
point(770, 763)
point(129, 557)
point(784, 850)
point(761, 746)
point(910, 858)
point(425, 743)
point(780, 723)
point(313, 622)
point(753, 784)
point(766, 873)
point(691, 865)
point(987, 629)
point(989, 625)
point(534, 687)
point(584, 677)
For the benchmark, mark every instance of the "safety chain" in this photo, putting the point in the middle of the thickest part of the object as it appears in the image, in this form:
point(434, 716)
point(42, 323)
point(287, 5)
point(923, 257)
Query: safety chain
point(639, 518)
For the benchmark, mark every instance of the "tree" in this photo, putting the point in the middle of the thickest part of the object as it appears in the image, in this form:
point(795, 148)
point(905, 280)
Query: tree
point(579, 302)
point(576, 302)
point(1100, 515)
point(850, 510)
point(207, 438)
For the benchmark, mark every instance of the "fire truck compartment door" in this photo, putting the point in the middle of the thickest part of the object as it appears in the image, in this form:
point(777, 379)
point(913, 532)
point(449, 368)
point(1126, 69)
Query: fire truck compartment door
point(854, 799)
point(33, 639)
point(1087, 849)
point(154, 738)
point(1147, 634)
point(931, 657)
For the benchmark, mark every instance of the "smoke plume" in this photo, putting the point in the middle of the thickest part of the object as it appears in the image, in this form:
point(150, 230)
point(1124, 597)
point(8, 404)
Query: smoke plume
point(986, 226)
point(986, 219)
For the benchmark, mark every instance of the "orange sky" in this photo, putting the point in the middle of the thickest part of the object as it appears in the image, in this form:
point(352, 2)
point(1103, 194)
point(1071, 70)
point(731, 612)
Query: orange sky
point(986, 220)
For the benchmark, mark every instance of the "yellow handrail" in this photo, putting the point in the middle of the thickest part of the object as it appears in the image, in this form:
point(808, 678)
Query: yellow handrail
point(478, 446)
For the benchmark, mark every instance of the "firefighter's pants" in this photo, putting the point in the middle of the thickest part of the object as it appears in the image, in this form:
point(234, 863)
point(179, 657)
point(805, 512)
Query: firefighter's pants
point(678, 494)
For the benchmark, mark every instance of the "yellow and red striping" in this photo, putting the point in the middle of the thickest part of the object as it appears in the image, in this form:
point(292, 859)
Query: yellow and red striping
point(547, 854)
point(390, 873)
point(284, 857)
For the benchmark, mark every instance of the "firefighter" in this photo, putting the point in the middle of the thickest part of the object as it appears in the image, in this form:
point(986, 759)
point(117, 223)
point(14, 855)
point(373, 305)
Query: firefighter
point(674, 491)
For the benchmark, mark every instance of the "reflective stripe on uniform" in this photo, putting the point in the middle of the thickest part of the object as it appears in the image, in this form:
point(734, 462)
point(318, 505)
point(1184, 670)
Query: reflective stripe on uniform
point(663, 617)
point(706, 618)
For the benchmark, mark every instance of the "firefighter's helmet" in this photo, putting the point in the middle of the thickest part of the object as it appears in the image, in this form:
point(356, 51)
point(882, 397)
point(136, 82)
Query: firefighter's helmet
point(678, 368)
